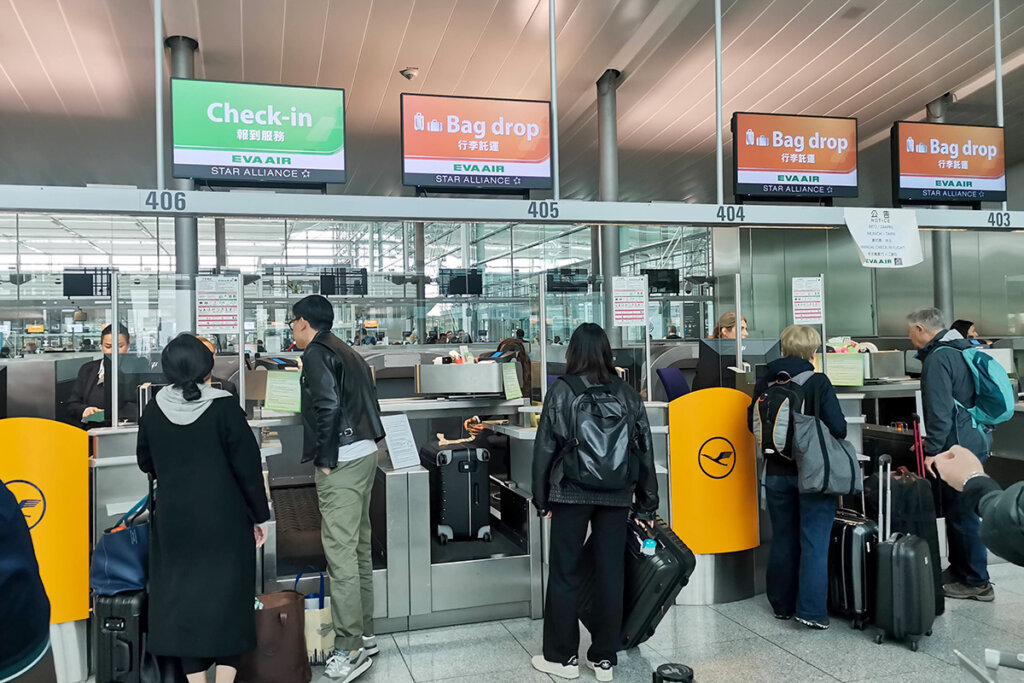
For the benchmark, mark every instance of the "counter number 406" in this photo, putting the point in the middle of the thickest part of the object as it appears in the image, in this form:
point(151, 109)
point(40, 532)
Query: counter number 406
point(166, 201)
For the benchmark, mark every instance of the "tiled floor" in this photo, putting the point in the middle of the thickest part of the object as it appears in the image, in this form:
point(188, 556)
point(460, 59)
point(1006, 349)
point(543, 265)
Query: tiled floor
point(735, 642)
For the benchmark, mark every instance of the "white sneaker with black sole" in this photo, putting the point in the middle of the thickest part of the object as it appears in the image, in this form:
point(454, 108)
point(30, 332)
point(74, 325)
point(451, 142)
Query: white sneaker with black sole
point(346, 667)
point(570, 670)
point(370, 645)
point(603, 670)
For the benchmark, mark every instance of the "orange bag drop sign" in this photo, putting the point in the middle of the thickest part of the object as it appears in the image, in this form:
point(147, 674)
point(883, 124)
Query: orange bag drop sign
point(45, 464)
point(713, 472)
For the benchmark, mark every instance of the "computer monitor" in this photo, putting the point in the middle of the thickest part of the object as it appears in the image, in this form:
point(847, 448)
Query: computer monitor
point(718, 355)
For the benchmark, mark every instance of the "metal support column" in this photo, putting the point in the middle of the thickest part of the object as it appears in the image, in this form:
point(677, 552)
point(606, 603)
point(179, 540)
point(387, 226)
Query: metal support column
point(719, 152)
point(942, 247)
point(997, 30)
point(608, 149)
point(186, 228)
point(420, 257)
point(220, 243)
point(158, 80)
point(553, 63)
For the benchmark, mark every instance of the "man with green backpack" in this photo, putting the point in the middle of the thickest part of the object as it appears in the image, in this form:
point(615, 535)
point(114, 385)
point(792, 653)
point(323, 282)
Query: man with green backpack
point(965, 393)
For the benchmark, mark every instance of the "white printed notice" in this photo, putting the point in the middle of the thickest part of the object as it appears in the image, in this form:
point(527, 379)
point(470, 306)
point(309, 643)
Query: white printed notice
point(629, 300)
point(400, 441)
point(886, 238)
point(218, 307)
point(808, 300)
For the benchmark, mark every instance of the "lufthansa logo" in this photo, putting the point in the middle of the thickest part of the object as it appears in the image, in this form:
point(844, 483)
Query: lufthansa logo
point(717, 457)
point(30, 499)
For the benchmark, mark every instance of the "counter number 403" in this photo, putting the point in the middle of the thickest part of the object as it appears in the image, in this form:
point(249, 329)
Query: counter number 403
point(999, 219)
point(166, 201)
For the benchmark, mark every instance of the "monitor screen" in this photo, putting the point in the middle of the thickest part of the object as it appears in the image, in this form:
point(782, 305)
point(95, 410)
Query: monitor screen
point(475, 143)
point(782, 155)
point(344, 282)
point(254, 133)
point(939, 163)
point(567, 280)
point(716, 356)
point(661, 280)
point(460, 281)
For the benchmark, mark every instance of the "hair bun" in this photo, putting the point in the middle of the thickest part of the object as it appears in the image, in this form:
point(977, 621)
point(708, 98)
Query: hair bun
point(190, 391)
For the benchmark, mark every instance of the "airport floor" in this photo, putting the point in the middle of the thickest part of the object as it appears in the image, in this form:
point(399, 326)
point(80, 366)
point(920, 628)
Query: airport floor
point(740, 641)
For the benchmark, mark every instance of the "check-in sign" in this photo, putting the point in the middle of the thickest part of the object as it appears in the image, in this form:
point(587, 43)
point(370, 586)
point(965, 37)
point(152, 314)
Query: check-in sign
point(945, 164)
point(779, 155)
point(476, 143)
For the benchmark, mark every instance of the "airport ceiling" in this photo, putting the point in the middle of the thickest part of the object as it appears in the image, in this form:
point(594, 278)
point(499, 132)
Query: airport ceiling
point(76, 76)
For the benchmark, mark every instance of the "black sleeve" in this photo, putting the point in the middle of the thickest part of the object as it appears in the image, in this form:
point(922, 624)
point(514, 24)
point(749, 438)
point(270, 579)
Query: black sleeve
point(547, 445)
point(326, 403)
point(1002, 516)
point(829, 410)
point(75, 404)
point(142, 452)
point(646, 493)
point(939, 408)
point(243, 454)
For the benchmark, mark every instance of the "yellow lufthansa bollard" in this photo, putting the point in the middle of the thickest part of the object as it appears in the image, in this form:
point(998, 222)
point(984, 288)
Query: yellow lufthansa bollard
point(45, 464)
point(713, 472)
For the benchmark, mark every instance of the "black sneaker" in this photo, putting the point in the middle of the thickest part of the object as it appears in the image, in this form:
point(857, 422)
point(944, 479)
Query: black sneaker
point(816, 625)
point(783, 617)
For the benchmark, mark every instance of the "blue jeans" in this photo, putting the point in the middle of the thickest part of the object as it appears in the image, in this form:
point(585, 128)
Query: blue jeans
point(967, 555)
point(797, 582)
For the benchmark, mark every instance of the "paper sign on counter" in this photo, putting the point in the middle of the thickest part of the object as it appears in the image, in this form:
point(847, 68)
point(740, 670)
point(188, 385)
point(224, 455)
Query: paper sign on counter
point(510, 378)
point(284, 393)
point(401, 443)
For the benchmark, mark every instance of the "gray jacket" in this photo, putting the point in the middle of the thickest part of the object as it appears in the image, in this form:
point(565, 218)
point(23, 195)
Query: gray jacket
point(946, 379)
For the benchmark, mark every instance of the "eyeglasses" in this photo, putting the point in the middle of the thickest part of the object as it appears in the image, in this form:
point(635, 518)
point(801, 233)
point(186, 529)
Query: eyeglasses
point(290, 323)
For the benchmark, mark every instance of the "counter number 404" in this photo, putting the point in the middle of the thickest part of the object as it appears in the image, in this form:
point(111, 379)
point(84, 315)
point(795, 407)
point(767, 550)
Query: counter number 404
point(166, 201)
point(730, 213)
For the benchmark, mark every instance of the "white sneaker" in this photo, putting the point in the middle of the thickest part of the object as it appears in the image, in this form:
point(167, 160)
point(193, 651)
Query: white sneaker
point(370, 645)
point(347, 667)
point(569, 670)
point(603, 670)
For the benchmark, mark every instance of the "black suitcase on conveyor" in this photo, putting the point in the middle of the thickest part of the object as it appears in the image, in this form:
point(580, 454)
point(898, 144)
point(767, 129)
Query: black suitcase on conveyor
point(119, 627)
point(460, 491)
point(651, 582)
point(851, 567)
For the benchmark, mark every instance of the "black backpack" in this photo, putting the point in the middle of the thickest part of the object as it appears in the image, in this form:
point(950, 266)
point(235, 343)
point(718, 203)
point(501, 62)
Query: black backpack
point(772, 416)
point(598, 450)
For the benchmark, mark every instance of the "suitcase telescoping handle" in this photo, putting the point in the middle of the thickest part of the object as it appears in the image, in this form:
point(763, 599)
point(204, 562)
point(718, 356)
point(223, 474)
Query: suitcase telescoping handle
point(885, 487)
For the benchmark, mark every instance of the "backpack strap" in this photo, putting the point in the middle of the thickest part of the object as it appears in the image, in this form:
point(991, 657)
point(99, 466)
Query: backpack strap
point(802, 378)
point(575, 383)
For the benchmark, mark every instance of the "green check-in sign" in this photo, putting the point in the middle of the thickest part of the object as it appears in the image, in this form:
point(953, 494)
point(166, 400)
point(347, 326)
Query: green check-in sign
point(249, 132)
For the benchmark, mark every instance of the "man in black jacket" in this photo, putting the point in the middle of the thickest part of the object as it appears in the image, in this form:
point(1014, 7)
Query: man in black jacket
point(341, 426)
point(1002, 512)
point(947, 389)
point(24, 608)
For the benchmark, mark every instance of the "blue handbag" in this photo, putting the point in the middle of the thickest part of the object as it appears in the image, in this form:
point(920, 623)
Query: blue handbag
point(120, 561)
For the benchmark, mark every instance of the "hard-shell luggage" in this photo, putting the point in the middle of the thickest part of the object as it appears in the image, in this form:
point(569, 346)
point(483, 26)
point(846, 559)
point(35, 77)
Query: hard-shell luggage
point(459, 491)
point(905, 596)
point(651, 583)
point(119, 633)
point(851, 567)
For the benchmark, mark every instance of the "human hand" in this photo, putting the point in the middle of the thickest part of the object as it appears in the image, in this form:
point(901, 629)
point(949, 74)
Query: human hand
point(548, 515)
point(261, 535)
point(955, 466)
point(324, 470)
point(91, 410)
point(474, 426)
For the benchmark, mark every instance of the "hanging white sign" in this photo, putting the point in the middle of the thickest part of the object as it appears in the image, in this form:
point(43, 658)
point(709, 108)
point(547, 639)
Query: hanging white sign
point(886, 238)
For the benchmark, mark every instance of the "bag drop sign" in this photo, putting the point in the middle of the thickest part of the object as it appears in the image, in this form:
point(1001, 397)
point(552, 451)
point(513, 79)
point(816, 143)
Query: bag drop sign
point(943, 163)
point(778, 155)
point(253, 133)
point(886, 238)
point(478, 143)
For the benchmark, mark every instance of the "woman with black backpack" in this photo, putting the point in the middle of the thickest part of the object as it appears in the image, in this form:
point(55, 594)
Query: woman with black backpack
point(592, 462)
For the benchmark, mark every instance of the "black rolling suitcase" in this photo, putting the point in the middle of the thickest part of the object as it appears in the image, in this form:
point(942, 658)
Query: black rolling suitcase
point(851, 567)
point(459, 491)
point(651, 584)
point(119, 632)
point(905, 596)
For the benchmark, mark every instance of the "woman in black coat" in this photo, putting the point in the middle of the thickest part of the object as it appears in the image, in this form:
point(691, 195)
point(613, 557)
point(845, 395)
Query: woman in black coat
point(211, 499)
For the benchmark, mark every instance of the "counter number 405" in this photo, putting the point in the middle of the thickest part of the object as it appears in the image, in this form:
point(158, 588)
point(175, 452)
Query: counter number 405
point(543, 209)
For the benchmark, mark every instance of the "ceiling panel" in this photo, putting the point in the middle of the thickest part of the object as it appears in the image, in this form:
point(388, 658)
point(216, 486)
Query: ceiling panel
point(76, 75)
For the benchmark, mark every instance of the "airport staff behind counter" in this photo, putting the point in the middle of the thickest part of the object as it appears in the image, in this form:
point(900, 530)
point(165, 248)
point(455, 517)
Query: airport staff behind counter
point(90, 395)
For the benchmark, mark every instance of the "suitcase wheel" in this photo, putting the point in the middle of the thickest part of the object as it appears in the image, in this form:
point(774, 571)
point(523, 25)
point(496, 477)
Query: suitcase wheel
point(879, 639)
point(443, 538)
point(913, 646)
point(487, 537)
point(928, 633)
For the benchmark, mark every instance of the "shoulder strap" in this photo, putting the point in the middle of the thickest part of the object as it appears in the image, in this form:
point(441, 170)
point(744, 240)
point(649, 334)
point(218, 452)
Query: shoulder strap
point(575, 383)
point(802, 378)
